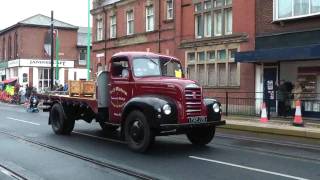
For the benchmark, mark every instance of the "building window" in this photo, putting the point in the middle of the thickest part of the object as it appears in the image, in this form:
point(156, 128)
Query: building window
point(213, 18)
point(290, 9)
point(44, 78)
point(113, 26)
point(9, 48)
point(211, 73)
point(169, 9)
point(83, 57)
point(99, 36)
point(130, 22)
point(15, 45)
point(149, 18)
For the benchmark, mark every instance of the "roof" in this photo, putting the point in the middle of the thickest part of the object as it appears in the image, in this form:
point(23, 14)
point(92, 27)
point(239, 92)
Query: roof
point(42, 20)
point(82, 36)
point(141, 53)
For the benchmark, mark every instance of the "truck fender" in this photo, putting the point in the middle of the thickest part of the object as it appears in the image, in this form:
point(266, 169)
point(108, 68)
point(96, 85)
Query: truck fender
point(213, 116)
point(151, 107)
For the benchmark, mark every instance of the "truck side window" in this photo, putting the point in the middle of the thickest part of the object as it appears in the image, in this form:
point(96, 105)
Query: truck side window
point(119, 68)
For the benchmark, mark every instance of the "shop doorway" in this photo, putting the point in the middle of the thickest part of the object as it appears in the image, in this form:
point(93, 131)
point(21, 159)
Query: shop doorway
point(269, 89)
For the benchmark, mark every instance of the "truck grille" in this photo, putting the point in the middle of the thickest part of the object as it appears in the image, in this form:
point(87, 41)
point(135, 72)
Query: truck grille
point(193, 101)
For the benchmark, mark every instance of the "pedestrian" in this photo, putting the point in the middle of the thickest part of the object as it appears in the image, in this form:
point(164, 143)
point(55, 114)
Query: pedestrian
point(282, 96)
point(28, 91)
point(65, 87)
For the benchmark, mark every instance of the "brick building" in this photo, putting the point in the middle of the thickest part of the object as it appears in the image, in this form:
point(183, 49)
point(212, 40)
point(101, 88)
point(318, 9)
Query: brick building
point(25, 51)
point(203, 34)
point(287, 48)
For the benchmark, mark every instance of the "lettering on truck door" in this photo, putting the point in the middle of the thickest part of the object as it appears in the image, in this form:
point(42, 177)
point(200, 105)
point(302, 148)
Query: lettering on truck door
point(120, 91)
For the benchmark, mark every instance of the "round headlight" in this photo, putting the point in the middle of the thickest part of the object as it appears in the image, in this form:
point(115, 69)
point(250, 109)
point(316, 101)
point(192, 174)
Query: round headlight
point(166, 109)
point(216, 107)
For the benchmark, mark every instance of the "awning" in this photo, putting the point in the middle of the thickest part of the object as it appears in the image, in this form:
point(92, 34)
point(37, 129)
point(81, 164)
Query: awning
point(8, 81)
point(310, 52)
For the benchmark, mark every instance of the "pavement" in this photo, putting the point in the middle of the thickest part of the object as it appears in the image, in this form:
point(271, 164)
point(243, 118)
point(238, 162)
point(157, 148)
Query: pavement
point(311, 128)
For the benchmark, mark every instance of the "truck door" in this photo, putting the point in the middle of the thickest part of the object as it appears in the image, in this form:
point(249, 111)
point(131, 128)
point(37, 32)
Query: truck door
point(120, 88)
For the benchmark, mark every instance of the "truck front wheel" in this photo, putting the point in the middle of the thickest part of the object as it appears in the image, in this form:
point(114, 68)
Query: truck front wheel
point(59, 121)
point(201, 136)
point(138, 134)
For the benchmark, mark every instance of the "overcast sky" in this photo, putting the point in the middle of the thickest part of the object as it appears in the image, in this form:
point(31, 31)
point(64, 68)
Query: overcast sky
point(70, 11)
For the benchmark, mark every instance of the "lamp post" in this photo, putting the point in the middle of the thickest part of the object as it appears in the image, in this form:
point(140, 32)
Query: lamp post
point(51, 68)
point(88, 43)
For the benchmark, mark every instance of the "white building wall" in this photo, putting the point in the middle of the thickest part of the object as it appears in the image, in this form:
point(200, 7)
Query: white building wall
point(36, 77)
point(61, 76)
point(21, 71)
point(80, 73)
point(259, 87)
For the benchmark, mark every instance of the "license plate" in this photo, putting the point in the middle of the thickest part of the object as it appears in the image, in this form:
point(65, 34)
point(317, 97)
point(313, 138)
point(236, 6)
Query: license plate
point(197, 119)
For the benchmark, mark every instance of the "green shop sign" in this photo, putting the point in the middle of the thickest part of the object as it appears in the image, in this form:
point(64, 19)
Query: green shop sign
point(3, 65)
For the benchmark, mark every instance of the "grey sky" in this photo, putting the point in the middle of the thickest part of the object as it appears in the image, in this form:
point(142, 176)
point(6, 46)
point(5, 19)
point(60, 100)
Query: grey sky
point(70, 11)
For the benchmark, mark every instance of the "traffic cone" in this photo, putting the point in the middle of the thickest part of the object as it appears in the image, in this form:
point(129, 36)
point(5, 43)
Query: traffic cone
point(298, 117)
point(264, 117)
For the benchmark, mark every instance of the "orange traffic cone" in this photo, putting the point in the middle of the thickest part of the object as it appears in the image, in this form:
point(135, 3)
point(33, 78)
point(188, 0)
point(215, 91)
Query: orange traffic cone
point(264, 118)
point(298, 116)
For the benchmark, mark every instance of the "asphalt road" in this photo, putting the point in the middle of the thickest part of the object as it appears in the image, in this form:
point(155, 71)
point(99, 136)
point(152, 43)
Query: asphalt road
point(29, 148)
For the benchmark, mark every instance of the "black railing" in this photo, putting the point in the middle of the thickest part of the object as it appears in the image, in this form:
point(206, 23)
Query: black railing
point(250, 103)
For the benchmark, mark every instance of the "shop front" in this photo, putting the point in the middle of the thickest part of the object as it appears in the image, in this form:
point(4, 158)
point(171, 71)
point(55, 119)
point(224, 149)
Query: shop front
point(294, 66)
point(3, 66)
point(36, 72)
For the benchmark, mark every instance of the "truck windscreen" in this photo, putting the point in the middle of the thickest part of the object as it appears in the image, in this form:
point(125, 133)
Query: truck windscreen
point(147, 66)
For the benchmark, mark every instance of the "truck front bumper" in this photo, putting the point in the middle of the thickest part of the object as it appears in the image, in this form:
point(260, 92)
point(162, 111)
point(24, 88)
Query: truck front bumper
point(167, 129)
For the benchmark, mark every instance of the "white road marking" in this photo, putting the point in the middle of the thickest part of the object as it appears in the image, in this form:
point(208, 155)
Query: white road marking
point(8, 173)
point(20, 120)
point(97, 137)
point(248, 168)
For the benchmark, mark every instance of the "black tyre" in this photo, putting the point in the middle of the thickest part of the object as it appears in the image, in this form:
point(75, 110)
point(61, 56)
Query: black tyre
point(59, 122)
point(138, 133)
point(201, 136)
point(107, 128)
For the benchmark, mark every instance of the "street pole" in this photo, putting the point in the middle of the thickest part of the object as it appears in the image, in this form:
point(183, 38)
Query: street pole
point(57, 55)
point(51, 69)
point(88, 43)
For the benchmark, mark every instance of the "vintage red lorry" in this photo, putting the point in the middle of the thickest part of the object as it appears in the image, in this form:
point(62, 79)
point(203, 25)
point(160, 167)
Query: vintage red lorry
point(144, 95)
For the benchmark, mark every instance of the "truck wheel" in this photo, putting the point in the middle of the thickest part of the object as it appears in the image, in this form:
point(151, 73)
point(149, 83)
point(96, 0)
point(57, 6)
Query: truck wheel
point(138, 134)
point(60, 123)
point(201, 136)
point(107, 128)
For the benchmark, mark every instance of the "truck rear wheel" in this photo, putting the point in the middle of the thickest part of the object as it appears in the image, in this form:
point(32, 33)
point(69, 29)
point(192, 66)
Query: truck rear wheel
point(59, 121)
point(201, 136)
point(138, 133)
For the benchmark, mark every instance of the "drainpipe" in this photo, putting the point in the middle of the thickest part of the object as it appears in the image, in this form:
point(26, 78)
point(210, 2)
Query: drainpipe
point(105, 38)
point(159, 26)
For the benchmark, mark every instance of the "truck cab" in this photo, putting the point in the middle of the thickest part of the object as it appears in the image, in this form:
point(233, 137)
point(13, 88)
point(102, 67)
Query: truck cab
point(147, 95)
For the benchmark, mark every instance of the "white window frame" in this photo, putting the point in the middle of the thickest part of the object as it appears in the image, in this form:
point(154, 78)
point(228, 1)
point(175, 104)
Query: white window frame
point(83, 61)
point(207, 33)
point(99, 36)
point(149, 17)
point(113, 26)
point(170, 9)
point(276, 12)
point(130, 21)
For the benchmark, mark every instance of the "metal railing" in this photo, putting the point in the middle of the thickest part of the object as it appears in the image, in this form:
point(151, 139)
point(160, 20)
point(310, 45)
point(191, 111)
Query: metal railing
point(249, 103)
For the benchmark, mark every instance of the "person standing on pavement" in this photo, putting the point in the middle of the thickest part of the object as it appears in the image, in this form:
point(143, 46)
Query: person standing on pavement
point(28, 91)
point(282, 96)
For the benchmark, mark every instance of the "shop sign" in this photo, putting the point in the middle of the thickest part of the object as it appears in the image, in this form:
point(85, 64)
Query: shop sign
point(3, 65)
point(13, 63)
point(45, 63)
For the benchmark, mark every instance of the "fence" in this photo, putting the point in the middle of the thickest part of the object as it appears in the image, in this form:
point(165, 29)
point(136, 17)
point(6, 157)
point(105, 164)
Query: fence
point(249, 103)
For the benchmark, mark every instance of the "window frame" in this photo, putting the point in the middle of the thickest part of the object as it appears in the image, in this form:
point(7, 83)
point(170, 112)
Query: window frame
point(113, 26)
point(129, 21)
point(99, 29)
point(276, 12)
point(169, 16)
point(149, 17)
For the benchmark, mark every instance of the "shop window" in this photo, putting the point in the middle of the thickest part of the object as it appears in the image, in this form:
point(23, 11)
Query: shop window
point(211, 75)
point(201, 77)
point(192, 72)
point(222, 54)
point(222, 75)
point(191, 57)
point(44, 78)
point(211, 55)
point(201, 56)
point(24, 77)
point(233, 71)
point(232, 53)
